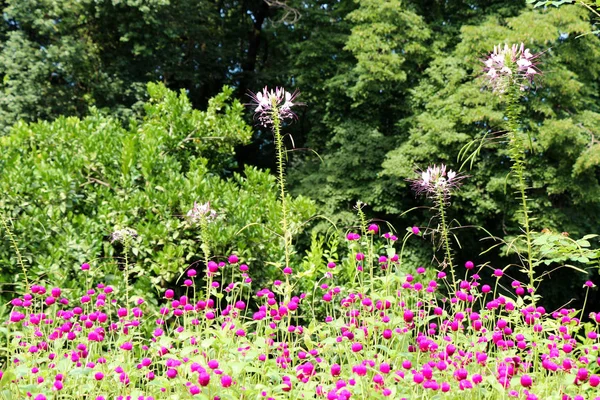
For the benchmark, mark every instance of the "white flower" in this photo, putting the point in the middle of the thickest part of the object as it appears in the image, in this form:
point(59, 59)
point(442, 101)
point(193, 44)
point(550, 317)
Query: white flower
point(121, 234)
point(508, 65)
point(201, 211)
point(267, 101)
point(435, 181)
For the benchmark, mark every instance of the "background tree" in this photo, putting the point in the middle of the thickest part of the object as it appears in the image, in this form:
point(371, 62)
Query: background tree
point(389, 86)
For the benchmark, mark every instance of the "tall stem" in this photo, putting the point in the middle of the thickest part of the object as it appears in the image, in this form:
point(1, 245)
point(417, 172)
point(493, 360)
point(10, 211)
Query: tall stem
point(126, 246)
point(364, 232)
point(446, 241)
point(517, 154)
point(280, 154)
point(205, 246)
point(13, 242)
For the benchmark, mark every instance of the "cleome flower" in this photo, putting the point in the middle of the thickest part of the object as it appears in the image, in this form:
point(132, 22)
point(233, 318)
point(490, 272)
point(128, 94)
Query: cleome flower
point(121, 234)
point(510, 65)
point(266, 102)
point(201, 211)
point(436, 180)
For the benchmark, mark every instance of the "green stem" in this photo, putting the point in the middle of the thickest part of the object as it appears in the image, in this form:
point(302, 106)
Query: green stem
point(13, 242)
point(364, 233)
point(446, 241)
point(280, 154)
point(517, 154)
point(205, 246)
point(126, 246)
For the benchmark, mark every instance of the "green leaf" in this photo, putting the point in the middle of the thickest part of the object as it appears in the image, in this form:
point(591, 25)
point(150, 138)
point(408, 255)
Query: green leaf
point(7, 378)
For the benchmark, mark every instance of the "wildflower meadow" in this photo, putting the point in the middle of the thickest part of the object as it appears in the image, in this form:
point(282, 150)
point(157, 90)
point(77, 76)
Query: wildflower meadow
point(348, 318)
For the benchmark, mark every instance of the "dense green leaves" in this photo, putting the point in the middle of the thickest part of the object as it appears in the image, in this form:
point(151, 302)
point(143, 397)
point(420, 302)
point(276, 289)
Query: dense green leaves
point(68, 184)
point(389, 86)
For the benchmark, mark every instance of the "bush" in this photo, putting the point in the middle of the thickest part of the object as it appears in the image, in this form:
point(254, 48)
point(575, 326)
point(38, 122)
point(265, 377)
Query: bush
point(69, 183)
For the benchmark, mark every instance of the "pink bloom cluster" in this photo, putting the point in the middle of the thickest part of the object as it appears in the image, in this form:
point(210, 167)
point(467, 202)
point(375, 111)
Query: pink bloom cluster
point(268, 101)
point(200, 211)
point(436, 180)
point(508, 65)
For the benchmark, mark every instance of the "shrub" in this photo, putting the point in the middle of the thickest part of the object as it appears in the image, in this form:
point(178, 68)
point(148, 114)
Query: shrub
point(69, 183)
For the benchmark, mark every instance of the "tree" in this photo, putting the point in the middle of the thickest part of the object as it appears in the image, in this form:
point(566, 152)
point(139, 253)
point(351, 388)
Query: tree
point(61, 57)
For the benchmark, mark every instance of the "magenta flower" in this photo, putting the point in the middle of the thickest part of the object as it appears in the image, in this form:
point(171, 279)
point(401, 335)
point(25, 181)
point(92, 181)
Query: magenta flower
point(526, 381)
point(510, 65)
point(373, 228)
point(226, 381)
point(268, 104)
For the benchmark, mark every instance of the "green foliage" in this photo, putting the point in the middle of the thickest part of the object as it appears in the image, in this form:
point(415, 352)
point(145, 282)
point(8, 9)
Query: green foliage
point(556, 248)
point(556, 3)
point(69, 183)
point(59, 57)
point(387, 41)
point(375, 129)
point(389, 86)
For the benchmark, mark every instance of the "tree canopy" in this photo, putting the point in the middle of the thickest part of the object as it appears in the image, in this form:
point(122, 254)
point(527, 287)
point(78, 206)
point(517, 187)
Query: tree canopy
point(389, 86)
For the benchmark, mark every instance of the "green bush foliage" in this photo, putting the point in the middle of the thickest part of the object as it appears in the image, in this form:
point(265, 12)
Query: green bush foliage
point(69, 183)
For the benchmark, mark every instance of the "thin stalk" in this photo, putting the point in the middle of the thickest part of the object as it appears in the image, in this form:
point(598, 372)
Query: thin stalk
point(206, 253)
point(446, 241)
point(364, 232)
point(126, 246)
point(517, 154)
point(13, 242)
point(280, 154)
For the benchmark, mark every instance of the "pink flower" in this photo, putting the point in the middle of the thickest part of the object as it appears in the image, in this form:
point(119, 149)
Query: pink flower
point(436, 181)
point(201, 212)
point(226, 381)
point(510, 65)
point(126, 346)
point(274, 103)
point(526, 381)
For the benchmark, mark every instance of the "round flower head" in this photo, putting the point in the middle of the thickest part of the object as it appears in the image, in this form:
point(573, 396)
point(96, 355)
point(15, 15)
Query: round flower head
point(201, 211)
point(436, 181)
point(268, 102)
point(506, 66)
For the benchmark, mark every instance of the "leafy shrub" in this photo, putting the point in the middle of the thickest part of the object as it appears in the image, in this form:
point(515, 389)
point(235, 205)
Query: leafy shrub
point(69, 183)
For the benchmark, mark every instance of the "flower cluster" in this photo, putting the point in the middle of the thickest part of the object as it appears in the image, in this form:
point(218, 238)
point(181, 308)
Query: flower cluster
point(277, 101)
point(201, 211)
point(416, 341)
point(436, 181)
point(121, 234)
point(508, 65)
